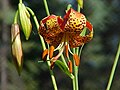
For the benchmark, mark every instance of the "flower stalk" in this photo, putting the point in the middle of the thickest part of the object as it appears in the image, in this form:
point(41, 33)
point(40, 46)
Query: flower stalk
point(44, 47)
point(113, 68)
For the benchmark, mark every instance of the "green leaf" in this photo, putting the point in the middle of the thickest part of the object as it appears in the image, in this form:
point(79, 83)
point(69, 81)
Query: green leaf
point(62, 66)
point(80, 2)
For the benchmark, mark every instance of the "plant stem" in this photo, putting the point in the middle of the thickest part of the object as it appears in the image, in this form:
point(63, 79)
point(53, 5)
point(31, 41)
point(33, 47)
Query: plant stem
point(113, 68)
point(44, 47)
point(73, 82)
point(75, 74)
point(78, 8)
point(46, 7)
point(37, 25)
point(48, 62)
point(16, 17)
point(63, 59)
point(20, 1)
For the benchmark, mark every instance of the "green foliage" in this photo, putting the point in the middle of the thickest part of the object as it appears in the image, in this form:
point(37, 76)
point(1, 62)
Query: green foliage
point(62, 66)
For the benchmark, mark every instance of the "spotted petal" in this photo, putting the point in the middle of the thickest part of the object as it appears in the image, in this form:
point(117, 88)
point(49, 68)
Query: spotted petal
point(50, 29)
point(74, 22)
point(77, 40)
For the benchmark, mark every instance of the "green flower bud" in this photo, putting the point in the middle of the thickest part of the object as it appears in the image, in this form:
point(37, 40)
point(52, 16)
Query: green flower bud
point(25, 20)
point(16, 47)
point(80, 2)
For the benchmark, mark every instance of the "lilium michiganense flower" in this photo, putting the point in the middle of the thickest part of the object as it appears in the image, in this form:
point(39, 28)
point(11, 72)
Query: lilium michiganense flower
point(63, 34)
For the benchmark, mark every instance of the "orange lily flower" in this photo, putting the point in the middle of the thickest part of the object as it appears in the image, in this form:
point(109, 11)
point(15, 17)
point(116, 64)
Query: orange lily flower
point(65, 33)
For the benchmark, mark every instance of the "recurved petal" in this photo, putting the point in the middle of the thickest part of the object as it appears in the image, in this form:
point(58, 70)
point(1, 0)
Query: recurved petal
point(78, 40)
point(50, 29)
point(74, 22)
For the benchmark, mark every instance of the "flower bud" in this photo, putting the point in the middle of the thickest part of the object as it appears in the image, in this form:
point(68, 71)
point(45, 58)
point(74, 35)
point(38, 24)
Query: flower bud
point(25, 20)
point(80, 2)
point(77, 59)
point(16, 47)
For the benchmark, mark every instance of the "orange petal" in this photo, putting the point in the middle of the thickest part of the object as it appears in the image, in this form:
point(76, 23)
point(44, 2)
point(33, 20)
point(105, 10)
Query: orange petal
point(74, 22)
point(77, 40)
point(77, 59)
point(89, 25)
point(50, 29)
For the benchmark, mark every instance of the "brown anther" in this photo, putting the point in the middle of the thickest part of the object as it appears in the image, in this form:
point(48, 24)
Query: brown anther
point(66, 50)
point(77, 59)
point(44, 55)
point(70, 66)
point(51, 51)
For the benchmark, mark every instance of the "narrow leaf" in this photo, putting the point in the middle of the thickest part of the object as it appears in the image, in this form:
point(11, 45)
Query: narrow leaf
point(62, 66)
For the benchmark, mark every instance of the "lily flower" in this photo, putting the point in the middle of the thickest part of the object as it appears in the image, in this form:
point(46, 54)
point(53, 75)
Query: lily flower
point(63, 34)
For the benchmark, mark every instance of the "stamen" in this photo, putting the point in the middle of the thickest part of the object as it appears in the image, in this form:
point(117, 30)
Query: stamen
point(59, 54)
point(70, 50)
point(51, 51)
point(77, 59)
point(66, 50)
point(44, 55)
point(70, 66)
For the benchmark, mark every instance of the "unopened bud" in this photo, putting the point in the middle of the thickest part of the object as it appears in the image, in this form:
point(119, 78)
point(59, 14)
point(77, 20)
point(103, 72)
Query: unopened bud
point(25, 20)
point(17, 47)
point(77, 59)
point(80, 2)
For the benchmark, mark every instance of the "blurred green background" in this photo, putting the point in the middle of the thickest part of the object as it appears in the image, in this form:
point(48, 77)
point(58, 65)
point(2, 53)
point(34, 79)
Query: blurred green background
point(97, 56)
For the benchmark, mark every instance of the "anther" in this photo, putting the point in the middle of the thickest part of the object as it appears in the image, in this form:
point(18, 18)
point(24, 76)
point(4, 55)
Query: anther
point(44, 55)
point(66, 50)
point(70, 66)
point(77, 59)
point(51, 51)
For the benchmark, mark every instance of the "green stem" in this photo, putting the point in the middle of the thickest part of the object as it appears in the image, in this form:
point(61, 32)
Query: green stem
point(44, 47)
point(78, 8)
point(37, 25)
point(113, 68)
point(16, 17)
point(63, 59)
point(73, 82)
point(75, 74)
point(46, 7)
point(20, 1)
